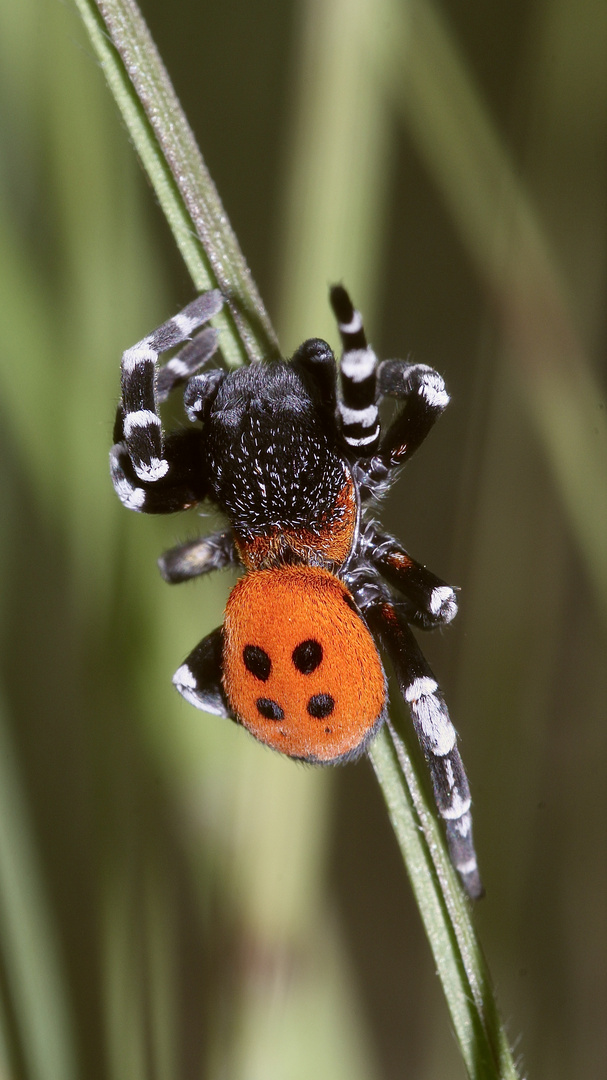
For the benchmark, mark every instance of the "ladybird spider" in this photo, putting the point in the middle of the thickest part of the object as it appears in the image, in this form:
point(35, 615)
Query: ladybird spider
point(293, 467)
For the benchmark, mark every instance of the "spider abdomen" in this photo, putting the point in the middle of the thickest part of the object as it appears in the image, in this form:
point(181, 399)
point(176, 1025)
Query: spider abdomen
point(300, 668)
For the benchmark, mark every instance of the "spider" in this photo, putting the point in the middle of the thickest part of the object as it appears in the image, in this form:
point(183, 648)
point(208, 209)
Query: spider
point(294, 466)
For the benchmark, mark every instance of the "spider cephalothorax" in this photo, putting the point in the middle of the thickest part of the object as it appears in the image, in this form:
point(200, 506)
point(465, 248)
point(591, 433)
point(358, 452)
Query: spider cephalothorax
point(293, 467)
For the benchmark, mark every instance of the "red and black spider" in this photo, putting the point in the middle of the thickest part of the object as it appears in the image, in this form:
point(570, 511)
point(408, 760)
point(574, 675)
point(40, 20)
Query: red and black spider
point(294, 464)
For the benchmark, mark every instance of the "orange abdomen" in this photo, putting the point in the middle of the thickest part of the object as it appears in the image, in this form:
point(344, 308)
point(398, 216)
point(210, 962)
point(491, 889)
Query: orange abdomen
point(300, 668)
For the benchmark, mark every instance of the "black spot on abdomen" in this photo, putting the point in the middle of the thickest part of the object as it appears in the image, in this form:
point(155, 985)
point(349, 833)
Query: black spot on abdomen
point(321, 705)
point(270, 709)
point(257, 661)
point(307, 656)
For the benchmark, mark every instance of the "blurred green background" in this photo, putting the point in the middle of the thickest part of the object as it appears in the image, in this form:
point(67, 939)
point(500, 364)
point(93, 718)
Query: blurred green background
point(175, 901)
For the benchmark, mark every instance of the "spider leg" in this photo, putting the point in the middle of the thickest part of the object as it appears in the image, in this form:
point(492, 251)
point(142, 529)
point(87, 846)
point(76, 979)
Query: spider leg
point(431, 602)
point(186, 362)
point(183, 485)
point(199, 677)
point(140, 422)
point(436, 735)
point(424, 397)
point(358, 376)
point(422, 391)
point(197, 557)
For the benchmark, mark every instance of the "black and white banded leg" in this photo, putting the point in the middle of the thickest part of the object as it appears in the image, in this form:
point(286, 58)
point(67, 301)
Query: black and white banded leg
point(358, 376)
point(422, 391)
point(430, 601)
point(141, 425)
point(424, 397)
point(437, 737)
point(197, 557)
point(183, 486)
point(186, 363)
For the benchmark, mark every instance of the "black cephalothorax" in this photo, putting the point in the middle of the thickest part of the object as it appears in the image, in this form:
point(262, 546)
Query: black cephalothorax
point(260, 420)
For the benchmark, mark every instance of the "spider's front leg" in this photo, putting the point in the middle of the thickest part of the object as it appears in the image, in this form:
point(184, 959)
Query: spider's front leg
point(436, 734)
point(141, 425)
point(149, 473)
point(184, 484)
point(420, 389)
point(357, 409)
point(424, 397)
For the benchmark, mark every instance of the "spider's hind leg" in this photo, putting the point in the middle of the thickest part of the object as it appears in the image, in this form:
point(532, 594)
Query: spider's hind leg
point(430, 601)
point(199, 677)
point(436, 735)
